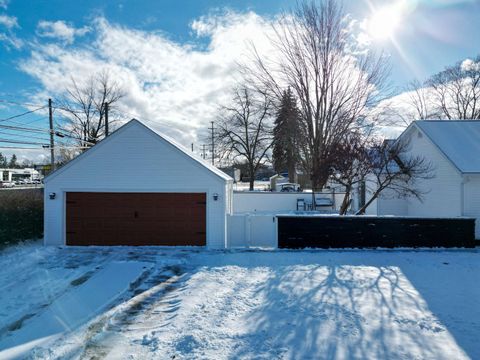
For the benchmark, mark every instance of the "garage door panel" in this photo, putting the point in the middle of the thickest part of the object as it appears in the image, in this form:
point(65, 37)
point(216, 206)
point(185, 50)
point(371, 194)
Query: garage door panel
point(136, 219)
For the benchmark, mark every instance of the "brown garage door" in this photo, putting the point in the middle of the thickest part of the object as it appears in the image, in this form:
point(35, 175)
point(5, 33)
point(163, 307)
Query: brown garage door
point(136, 219)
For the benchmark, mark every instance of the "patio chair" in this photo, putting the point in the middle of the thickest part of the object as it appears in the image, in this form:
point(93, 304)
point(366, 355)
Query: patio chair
point(301, 205)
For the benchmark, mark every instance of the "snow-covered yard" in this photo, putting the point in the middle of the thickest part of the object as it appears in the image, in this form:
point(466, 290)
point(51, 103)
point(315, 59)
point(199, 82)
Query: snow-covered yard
point(158, 303)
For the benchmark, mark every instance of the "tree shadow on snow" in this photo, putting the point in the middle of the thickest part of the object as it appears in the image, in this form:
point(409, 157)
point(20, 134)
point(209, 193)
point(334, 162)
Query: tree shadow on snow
point(341, 306)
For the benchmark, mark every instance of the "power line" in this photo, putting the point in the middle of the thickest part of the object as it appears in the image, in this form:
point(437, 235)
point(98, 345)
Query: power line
point(27, 123)
point(23, 135)
point(22, 114)
point(41, 148)
point(21, 148)
point(9, 141)
point(20, 128)
point(18, 103)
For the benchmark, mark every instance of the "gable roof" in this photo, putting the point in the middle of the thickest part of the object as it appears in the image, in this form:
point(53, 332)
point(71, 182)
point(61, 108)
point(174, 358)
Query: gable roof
point(160, 137)
point(458, 140)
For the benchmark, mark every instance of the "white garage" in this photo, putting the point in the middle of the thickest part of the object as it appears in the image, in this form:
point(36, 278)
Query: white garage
point(137, 187)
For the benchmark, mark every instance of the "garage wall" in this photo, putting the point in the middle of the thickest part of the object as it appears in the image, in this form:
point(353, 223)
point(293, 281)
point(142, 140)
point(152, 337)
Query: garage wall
point(134, 159)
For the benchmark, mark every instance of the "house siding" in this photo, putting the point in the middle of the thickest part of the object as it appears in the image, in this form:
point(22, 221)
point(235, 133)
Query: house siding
point(136, 160)
point(389, 204)
point(442, 194)
point(472, 200)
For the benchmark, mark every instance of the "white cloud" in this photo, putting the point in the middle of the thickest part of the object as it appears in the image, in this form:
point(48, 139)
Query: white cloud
point(469, 65)
point(8, 21)
point(60, 30)
point(7, 35)
point(175, 88)
point(11, 41)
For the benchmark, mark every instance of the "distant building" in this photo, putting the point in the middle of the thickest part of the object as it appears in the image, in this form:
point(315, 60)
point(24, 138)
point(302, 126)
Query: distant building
point(9, 175)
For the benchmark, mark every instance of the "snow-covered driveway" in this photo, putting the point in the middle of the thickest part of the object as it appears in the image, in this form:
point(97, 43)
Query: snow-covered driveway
point(157, 303)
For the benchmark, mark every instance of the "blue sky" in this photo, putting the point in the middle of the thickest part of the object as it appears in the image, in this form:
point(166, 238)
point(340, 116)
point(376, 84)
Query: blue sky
point(37, 54)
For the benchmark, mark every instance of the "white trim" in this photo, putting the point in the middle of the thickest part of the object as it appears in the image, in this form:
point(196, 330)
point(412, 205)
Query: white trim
point(157, 136)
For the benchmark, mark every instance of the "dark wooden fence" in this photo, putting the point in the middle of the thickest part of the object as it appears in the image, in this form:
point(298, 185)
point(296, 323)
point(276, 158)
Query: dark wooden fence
point(368, 231)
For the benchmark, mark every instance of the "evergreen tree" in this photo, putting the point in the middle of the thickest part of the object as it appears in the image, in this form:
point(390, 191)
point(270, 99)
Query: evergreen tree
point(12, 164)
point(285, 153)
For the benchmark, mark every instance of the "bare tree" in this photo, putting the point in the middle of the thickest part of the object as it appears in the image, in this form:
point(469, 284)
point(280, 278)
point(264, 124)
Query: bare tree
point(65, 155)
point(353, 164)
point(419, 98)
point(84, 106)
point(334, 83)
point(392, 167)
point(456, 90)
point(244, 129)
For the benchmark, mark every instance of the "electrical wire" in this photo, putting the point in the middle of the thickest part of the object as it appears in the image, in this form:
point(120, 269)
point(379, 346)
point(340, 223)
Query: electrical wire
point(24, 136)
point(20, 148)
point(20, 128)
point(9, 141)
point(22, 114)
point(42, 148)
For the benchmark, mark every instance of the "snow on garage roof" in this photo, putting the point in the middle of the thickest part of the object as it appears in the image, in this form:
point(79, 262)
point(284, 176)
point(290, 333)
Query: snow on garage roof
point(459, 140)
point(135, 122)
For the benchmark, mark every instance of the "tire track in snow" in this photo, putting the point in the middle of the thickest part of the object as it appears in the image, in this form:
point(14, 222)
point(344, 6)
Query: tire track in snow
point(140, 313)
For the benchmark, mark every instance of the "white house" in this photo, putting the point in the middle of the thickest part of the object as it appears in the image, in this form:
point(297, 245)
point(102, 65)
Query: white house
point(170, 198)
point(453, 147)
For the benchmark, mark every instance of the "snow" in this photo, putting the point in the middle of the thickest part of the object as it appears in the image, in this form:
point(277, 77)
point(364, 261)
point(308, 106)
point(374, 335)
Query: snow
point(74, 307)
point(181, 303)
point(457, 139)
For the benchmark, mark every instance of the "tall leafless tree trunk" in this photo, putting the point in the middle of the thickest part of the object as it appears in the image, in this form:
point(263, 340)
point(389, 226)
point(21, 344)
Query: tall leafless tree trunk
point(244, 129)
point(333, 83)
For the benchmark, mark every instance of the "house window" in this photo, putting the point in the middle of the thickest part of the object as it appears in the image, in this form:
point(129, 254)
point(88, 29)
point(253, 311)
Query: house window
point(5, 176)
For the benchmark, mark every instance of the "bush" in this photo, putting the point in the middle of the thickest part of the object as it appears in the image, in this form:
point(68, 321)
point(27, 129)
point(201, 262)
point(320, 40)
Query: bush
point(21, 215)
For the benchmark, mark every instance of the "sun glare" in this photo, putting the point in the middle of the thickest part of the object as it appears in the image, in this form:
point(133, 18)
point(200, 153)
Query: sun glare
point(384, 22)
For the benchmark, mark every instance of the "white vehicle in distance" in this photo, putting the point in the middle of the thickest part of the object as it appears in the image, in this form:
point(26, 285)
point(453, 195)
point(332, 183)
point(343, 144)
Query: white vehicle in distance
point(7, 184)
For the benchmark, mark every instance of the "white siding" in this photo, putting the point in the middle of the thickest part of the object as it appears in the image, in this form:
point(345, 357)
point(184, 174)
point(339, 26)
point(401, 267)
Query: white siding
point(389, 204)
point(443, 197)
point(472, 200)
point(134, 159)
point(252, 230)
point(256, 201)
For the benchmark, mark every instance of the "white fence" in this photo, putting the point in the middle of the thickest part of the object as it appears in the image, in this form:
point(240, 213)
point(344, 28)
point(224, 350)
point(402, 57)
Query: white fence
point(244, 201)
point(252, 230)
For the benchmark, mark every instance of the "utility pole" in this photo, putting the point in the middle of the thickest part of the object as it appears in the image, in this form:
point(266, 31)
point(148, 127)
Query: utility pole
point(50, 119)
point(192, 147)
point(106, 119)
point(213, 146)
point(204, 154)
